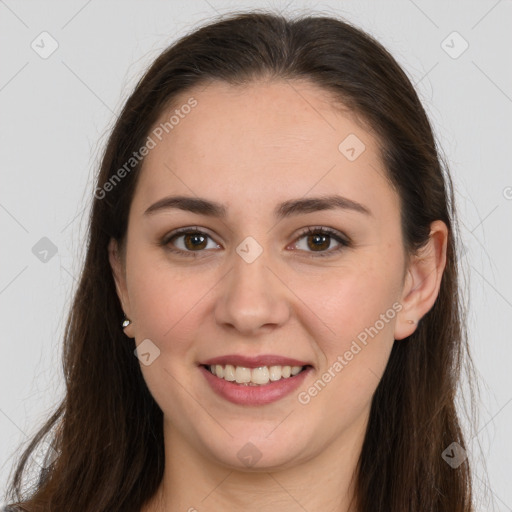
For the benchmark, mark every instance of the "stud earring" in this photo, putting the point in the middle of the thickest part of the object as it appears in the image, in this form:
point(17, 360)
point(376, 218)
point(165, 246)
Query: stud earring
point(126, 322)
point(411, 321)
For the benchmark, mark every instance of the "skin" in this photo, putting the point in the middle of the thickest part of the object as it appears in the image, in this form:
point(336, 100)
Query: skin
point(251, 148)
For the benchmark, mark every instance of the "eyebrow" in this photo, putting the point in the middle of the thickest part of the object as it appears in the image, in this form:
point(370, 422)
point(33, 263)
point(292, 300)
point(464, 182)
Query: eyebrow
point(286, 209)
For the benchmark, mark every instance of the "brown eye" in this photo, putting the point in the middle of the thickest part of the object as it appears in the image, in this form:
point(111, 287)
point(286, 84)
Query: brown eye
point(188, 241)
point(194, 241)
point(319, 240)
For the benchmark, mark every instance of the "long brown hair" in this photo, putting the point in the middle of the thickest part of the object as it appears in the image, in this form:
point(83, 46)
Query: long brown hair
point(108, 433)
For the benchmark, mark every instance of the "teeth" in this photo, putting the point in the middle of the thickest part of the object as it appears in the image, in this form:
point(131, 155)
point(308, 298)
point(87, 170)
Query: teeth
point(276, 372)
point(260, 375)
point(229, 372)
point(219, 371)
point(286, 371)
point(242, 375)
point(254, 376)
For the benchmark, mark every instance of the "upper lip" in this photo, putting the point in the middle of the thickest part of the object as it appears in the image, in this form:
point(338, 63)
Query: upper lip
point(254, 362)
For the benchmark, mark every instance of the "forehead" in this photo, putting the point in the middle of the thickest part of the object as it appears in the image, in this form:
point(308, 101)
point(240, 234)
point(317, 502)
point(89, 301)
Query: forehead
point(271, 140)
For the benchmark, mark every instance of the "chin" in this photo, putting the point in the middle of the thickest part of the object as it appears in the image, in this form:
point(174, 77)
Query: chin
point(257, 453)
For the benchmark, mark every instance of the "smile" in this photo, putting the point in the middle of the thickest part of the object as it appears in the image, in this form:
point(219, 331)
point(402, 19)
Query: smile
point(257, 386)
point(259, 376)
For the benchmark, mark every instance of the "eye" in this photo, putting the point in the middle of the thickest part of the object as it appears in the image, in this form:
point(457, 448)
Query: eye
point(190, 240)
point(187, 241)
point(319, 239)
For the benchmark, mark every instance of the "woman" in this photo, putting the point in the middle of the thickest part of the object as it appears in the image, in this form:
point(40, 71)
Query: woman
point(272, 236)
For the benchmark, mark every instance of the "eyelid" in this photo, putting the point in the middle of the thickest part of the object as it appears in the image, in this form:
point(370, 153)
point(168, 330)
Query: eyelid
point(311, 230)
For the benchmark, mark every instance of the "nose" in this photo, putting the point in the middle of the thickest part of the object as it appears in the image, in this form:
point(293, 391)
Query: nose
point(252, 297)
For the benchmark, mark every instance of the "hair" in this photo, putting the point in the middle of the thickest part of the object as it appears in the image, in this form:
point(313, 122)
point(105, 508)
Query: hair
point(107, 432)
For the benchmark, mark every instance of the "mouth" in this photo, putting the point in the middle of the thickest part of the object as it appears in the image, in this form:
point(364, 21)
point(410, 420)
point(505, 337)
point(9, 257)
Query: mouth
point(254, 381)
point(259, 376)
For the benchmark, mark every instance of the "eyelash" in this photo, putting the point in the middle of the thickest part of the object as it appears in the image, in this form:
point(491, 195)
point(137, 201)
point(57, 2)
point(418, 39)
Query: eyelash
point(342, 240)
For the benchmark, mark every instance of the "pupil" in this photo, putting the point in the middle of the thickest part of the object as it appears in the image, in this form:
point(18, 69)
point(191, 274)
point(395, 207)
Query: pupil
point(323, 245)
point(195, 237)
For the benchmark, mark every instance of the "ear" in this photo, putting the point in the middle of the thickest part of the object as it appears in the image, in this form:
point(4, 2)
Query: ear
point(119, 274)
point(423, 280)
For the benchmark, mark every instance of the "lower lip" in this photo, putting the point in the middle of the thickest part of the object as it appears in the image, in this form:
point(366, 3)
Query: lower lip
point(254, 395)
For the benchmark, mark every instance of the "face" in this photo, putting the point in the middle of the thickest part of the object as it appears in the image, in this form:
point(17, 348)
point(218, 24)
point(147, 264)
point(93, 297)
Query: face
point(281, 279)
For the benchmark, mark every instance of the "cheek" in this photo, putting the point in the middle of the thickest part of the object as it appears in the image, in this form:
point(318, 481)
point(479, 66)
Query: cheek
point(163, 300)
point(359, 305)
point(166, 303)
point(351, 300)
point(172, 306)
point(359, 309)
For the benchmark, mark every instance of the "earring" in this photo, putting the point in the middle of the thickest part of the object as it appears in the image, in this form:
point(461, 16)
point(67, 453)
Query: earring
point(411, 321)
point(126, 322)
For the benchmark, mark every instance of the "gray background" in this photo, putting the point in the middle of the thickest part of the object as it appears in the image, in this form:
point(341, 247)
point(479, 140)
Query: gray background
point(55, 116)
